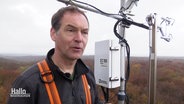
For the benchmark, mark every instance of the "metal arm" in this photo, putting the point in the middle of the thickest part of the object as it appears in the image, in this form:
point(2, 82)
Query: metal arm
point(118, 17)
point(73, 2)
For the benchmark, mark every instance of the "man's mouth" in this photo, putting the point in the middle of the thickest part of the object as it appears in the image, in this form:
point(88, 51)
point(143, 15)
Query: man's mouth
point(77, 48)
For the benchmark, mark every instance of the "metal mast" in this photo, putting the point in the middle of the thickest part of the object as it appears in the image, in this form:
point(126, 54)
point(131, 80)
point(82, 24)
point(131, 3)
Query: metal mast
point(151, 19)
point(126, 6)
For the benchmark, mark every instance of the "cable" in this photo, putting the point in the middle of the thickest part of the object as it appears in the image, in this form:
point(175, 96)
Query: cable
point(105, 93)
point(123, 40)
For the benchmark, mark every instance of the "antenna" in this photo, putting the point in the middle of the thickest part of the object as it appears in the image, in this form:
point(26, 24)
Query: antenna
point(163, 28)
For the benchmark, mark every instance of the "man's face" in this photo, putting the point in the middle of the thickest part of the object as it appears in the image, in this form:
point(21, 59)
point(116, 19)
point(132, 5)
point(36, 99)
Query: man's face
point(71, 38)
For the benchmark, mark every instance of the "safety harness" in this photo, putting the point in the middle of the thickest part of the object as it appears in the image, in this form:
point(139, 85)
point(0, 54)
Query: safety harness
point(48, 78)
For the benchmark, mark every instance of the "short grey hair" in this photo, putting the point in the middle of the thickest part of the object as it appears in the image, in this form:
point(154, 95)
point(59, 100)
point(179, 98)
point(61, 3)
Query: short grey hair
point(57, 17)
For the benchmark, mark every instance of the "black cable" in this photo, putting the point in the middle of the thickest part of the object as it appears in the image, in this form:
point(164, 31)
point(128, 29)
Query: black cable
point(122, 39)
point(105, 93)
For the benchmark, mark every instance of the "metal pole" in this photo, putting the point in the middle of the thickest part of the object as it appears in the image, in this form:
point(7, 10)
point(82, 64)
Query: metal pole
point(152, 59)
point(121, 93)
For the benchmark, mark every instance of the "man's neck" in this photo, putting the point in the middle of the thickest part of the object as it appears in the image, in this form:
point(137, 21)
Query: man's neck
point(64, 64)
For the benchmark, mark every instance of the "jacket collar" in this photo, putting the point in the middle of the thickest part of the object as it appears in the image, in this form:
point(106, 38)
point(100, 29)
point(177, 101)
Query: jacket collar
point(80, 67)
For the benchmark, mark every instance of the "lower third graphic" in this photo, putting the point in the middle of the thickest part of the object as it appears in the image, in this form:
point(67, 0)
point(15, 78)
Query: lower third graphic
point(19, 92)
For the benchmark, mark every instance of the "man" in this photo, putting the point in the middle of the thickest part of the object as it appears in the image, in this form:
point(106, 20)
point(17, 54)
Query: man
point(69, 31)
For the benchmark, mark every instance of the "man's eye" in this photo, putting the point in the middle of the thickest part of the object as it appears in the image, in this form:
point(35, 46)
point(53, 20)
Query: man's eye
point(85, 32)
point(70, 30)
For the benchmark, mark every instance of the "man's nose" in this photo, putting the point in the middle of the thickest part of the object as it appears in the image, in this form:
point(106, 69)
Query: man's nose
point(79, 37)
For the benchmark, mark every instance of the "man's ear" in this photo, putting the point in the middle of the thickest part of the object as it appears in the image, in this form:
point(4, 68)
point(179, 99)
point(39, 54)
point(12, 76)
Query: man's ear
point(53, 34)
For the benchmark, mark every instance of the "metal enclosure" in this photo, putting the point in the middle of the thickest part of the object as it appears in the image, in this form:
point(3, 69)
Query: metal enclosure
point(107, 63)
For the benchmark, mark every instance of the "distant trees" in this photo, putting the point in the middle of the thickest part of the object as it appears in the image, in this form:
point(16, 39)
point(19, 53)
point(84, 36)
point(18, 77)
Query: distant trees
point(170, 86)
point(9, 70)
point(170, 80)
point(6, 79)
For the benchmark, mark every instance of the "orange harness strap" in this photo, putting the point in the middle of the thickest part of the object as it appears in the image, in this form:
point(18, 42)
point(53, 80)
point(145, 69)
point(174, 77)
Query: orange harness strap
point(47, 78)
point(86, 89)
point(50, 85)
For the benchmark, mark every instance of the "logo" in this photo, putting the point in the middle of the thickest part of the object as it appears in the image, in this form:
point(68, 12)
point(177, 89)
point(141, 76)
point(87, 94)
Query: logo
point(104, 62)
point(102, 81)
point(20, 92)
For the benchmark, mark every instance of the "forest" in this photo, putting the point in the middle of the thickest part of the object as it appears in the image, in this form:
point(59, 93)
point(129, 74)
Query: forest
point(170, 78)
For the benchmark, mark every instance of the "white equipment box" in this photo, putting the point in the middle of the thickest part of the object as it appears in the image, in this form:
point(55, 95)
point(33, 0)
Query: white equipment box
point(107, 63)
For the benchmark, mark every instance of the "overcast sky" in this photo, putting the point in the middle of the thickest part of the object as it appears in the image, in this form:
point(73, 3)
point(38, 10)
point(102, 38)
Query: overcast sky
point(25, 26)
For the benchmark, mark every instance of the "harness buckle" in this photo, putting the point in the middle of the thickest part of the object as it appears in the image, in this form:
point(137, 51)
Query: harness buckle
point(47, 76)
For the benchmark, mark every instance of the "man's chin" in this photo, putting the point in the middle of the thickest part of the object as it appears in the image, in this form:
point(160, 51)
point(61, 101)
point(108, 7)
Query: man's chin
point(75, 57)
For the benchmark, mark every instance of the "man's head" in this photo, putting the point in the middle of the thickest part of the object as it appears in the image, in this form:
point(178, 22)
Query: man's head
point(57, 17)
point(69, 31)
